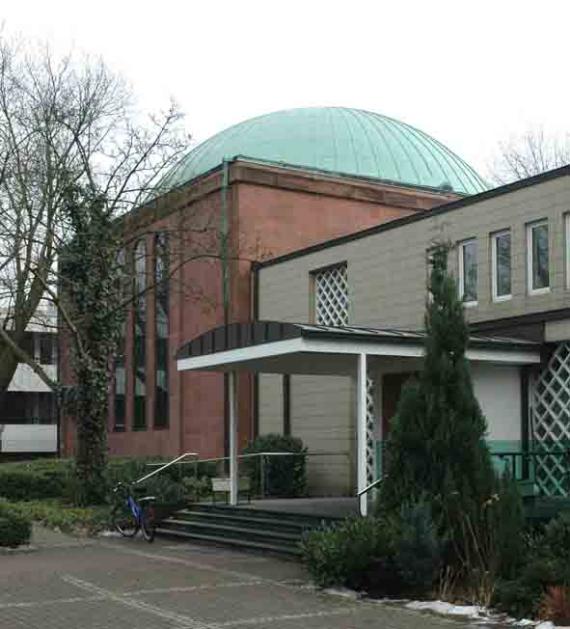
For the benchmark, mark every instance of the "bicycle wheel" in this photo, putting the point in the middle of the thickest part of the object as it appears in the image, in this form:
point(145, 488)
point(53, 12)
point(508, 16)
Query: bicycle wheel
point(148, 522)
point(123, 520)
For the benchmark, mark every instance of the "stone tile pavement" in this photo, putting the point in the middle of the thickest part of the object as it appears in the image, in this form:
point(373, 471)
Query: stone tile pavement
point(109, 583)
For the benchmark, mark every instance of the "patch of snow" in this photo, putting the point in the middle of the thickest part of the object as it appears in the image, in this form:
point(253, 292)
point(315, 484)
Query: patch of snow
point(344, 592)
point(109, 534)
point(473, 612)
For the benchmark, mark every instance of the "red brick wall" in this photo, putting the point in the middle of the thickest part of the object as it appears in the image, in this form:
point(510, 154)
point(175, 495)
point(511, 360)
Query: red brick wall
point(266, 221)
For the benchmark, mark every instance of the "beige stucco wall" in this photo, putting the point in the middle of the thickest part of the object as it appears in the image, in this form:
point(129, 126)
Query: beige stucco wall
point(387, 275)
point(387, 270)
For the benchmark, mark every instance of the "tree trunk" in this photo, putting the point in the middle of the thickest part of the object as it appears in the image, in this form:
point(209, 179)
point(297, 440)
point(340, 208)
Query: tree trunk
point(91, 414)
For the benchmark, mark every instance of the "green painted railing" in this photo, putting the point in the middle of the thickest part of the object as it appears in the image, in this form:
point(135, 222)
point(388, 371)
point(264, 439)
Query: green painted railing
point(541, 468)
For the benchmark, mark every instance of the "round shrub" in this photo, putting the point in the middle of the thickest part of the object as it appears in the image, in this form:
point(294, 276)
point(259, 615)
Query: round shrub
point(283, 476)
point(15, 528)
point(342, 554)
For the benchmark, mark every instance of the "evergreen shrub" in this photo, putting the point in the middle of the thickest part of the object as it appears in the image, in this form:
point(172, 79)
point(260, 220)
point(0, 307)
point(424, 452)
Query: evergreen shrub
point(15, 528)
point(545, 564)
point(343, 554)
point(418, 551)
point(284, 476)
point(34, 480)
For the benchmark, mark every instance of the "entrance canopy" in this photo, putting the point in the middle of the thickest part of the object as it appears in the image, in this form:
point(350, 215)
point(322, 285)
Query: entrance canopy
point(300, 348)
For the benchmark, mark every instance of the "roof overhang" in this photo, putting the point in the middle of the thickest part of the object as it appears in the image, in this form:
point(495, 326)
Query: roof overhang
point(288, 348)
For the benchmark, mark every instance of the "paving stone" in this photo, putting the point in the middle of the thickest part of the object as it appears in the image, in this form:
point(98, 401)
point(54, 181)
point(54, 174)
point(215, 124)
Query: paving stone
point(128, 584)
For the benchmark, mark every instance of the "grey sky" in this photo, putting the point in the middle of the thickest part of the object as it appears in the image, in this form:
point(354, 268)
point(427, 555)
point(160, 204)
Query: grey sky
point(469, 73)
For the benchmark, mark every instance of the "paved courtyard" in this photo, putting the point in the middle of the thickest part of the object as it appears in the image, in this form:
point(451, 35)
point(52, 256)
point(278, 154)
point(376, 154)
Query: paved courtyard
point(113, 583)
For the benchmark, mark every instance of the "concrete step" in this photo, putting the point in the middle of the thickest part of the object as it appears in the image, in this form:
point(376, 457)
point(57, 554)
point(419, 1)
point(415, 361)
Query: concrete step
point(260, 529)
point(246, 520)
point(222, 529)
point(228, 541)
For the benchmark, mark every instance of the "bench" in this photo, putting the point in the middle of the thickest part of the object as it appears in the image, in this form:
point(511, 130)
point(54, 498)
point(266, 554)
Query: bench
point(221, 485)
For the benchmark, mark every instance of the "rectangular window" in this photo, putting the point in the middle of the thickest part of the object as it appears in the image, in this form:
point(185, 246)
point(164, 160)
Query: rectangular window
point(139, 362)
point(501, 265)
point(331, 296)
point(537, 258)
point(162, 304)
point(468, 271)
point(47, 348)
point(120, 380)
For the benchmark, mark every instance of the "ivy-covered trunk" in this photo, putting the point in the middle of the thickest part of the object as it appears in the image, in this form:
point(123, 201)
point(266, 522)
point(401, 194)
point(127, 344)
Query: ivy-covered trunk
point(91, 419)
point(91, 294)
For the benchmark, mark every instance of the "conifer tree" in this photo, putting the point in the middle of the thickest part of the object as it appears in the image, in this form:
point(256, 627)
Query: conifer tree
point(436, 448)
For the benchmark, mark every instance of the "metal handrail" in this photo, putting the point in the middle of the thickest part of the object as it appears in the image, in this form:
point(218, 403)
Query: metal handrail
point(176, 460)
point(371, 486)
point(257, 454)
point(261, 455)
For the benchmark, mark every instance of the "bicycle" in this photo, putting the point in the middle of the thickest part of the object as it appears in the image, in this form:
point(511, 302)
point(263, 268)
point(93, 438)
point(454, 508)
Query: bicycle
point(130, 515)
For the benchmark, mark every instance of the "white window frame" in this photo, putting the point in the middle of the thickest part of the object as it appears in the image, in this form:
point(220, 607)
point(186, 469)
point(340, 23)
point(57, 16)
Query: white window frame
point(494, 266)
point(461, 272)
point(567, 248)
point(529, 258)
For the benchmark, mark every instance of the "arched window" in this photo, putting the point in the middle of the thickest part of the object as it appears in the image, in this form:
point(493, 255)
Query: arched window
point(161, 278)
point(139, 354)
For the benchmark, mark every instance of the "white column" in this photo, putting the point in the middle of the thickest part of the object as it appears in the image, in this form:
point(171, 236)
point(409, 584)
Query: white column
point(233, 438)
point(361, 430)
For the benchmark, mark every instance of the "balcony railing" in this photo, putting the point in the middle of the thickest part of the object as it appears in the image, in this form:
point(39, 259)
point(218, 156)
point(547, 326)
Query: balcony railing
point(541, 468)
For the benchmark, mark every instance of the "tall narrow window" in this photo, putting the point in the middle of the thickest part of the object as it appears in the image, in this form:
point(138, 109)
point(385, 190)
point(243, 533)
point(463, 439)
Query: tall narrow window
point(139, 358)
point(120, 391)
point(331, 296)
point(468, 271)
point(501, 258)
point(538, 271)
point(161, 278)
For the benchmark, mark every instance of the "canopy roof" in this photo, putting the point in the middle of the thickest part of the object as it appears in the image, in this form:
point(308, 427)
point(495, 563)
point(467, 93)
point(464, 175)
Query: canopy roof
point(282, 347)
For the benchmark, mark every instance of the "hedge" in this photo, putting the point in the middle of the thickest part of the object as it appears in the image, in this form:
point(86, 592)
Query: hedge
point(15, 527)
point(34, 480)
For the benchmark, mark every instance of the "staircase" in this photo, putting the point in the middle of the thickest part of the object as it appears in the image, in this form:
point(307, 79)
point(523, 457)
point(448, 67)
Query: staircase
point(242, 527)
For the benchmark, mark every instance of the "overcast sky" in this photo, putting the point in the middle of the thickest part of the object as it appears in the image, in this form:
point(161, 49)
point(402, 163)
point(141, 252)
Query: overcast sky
point(470, 73)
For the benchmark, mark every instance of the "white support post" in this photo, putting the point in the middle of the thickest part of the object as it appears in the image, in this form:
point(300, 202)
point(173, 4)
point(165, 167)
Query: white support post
point(361, 373)
point(233, 438)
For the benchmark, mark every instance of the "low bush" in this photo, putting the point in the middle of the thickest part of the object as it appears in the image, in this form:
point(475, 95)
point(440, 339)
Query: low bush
point(283, 476)
point(15, 527)
point(55, 515)
point(197, 488)
point(343, 554)
point(38, 479)
point(384, 555)
point(547, 565)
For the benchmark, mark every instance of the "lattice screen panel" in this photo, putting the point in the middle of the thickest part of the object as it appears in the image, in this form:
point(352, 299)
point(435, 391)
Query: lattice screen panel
point(370, 428)
point(550, 417)
point(331, 296)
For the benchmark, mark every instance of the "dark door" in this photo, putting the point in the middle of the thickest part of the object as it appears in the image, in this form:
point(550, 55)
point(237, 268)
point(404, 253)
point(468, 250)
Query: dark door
point(392, 384)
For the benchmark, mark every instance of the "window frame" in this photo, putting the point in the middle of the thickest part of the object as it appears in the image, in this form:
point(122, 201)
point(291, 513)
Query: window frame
point(567, 249)
point(544, 290)
point(314, 287)
point(494, 266)
point(461, 272)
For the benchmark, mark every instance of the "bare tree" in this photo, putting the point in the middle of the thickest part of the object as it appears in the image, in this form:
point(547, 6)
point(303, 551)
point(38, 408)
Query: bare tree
point(75, 155)
point(529, 154)
point(63, 122)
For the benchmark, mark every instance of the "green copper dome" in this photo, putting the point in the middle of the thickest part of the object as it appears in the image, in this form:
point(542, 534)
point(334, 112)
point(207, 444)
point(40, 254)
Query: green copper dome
point(337, 140)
